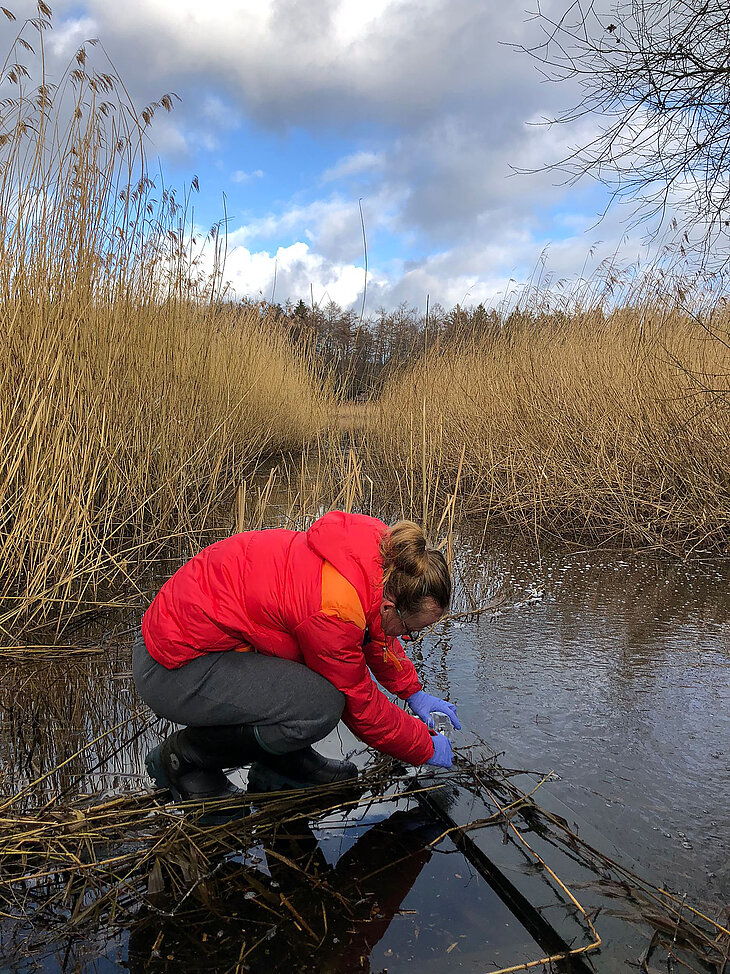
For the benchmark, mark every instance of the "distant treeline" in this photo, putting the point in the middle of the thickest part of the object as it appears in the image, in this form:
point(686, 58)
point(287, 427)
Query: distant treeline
point(360, 356)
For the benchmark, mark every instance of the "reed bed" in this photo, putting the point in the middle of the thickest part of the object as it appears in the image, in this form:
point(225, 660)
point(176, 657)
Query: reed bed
point(609, 426)
point(134, 397)
point(244, 871)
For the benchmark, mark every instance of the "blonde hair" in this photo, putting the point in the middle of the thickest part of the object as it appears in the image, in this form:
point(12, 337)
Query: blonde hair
point(412, 571)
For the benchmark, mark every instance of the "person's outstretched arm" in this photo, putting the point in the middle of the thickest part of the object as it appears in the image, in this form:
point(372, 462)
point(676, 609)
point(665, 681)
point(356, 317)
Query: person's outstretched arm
point(333, 648)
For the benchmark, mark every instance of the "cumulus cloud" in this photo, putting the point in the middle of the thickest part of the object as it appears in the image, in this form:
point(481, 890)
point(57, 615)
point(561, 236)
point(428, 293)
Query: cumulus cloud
point(496, 271)
point(168, 138)
point(292, 271)
point(493, 273)
point(439, 109)
point(239, 176)
point(294, 62)
point(330, 225)
point(443, 99)
point(70, 35)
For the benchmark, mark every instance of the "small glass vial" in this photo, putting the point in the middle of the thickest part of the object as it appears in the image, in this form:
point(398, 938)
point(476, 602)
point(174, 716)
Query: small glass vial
point(441, 723)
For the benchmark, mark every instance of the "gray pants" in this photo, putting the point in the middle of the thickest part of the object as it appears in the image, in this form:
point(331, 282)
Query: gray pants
point(290, 705)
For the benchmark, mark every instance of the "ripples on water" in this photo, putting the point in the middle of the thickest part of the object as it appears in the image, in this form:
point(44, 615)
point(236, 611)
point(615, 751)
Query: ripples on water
point(618, 678)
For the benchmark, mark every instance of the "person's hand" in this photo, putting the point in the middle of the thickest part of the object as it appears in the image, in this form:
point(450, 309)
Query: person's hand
point(442, 756)
point(423, 705)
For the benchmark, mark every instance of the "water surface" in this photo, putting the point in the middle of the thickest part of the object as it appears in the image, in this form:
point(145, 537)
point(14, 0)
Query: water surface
point(612, 670)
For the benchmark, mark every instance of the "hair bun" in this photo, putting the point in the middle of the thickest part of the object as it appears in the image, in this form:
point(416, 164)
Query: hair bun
point(408, 548)
point(411, 570)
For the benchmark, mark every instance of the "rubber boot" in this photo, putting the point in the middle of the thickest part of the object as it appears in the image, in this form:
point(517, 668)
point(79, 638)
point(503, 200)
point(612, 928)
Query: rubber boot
point(304, 768)
point(190, 763)
point(191, 760)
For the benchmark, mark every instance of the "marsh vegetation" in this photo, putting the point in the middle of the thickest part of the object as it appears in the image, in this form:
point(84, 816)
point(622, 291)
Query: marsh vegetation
point(133, 399)
point(138, 399)
point(608, 424)
point(145, 413)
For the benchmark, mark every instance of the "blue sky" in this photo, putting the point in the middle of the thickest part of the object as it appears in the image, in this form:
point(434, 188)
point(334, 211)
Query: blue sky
point(296, 110)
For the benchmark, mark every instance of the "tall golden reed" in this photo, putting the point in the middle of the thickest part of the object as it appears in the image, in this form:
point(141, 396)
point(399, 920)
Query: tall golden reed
point(133, 398)
point(608, 425)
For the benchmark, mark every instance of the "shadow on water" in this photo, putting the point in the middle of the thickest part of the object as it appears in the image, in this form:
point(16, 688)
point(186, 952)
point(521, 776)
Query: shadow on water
point(385, 900)
point(612, 670)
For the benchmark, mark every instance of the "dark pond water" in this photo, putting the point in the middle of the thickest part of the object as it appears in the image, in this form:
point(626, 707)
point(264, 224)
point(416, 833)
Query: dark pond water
point(614, 673)
point(611, 670)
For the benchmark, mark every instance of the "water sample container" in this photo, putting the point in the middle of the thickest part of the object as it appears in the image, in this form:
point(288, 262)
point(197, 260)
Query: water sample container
point(441, 723)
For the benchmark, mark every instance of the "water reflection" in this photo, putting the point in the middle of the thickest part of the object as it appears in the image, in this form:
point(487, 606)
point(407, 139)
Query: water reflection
point(619, 678)
point(339, 896)
point(82, 717)
point(338, 911)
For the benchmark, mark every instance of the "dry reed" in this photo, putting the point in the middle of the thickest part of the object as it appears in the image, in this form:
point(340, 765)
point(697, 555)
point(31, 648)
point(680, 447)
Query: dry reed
point(610, 426)
point(97, 866)
point(133, 399)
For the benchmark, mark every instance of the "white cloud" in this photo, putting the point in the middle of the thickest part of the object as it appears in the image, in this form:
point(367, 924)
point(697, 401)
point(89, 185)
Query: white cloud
point(436, 105)
point(398, 61)
point(353, 165)
point(69, 35)
point(444, 98)
point(220, 112)
point(167, 138)
point(293, 271)
point(331, 226)
point(239, 176)
point(352, 19)
point(492, 273)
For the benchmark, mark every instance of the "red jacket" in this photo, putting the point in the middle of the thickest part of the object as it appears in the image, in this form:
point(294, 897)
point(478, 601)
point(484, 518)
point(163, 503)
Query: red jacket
point(311, 596)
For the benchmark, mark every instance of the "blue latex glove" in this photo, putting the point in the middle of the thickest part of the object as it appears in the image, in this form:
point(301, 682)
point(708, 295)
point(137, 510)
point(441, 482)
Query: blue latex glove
point(423, 705)
point(442, 756)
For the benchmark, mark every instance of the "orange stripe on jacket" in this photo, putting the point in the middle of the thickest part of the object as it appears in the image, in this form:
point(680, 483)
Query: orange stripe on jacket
point(244, 648)
point(339, 597)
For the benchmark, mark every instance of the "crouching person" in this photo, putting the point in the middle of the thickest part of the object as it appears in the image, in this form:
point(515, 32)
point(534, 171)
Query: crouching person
point(262, 642)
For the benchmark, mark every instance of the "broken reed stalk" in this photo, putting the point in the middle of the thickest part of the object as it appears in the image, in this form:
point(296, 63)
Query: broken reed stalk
point(573, 952)
point(49, 651)
point(96, 863)
point(67, 839)
point(670, 906)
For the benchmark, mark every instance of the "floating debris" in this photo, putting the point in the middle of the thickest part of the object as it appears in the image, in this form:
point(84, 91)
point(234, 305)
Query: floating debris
point(246, 880)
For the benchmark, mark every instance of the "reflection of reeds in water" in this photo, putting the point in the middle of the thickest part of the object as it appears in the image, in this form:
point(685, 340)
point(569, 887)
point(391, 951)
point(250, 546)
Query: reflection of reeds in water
point(55, 729)
point(614, 426)
point(89, 868)
point(133, 399)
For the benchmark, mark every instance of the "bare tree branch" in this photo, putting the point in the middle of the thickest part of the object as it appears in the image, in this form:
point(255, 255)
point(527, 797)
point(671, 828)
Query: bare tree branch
point(656, 76)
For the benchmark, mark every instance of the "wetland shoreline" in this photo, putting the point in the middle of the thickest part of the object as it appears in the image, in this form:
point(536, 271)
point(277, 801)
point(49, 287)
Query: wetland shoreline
point(607, 669)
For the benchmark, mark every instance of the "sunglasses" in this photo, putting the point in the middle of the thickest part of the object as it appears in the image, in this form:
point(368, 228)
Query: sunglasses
point(410, 635)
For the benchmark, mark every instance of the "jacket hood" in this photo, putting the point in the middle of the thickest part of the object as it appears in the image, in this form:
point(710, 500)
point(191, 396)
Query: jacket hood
point(351, 542)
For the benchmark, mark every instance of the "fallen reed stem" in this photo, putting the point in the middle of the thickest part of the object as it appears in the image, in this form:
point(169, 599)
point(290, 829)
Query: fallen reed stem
point(125, 851)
